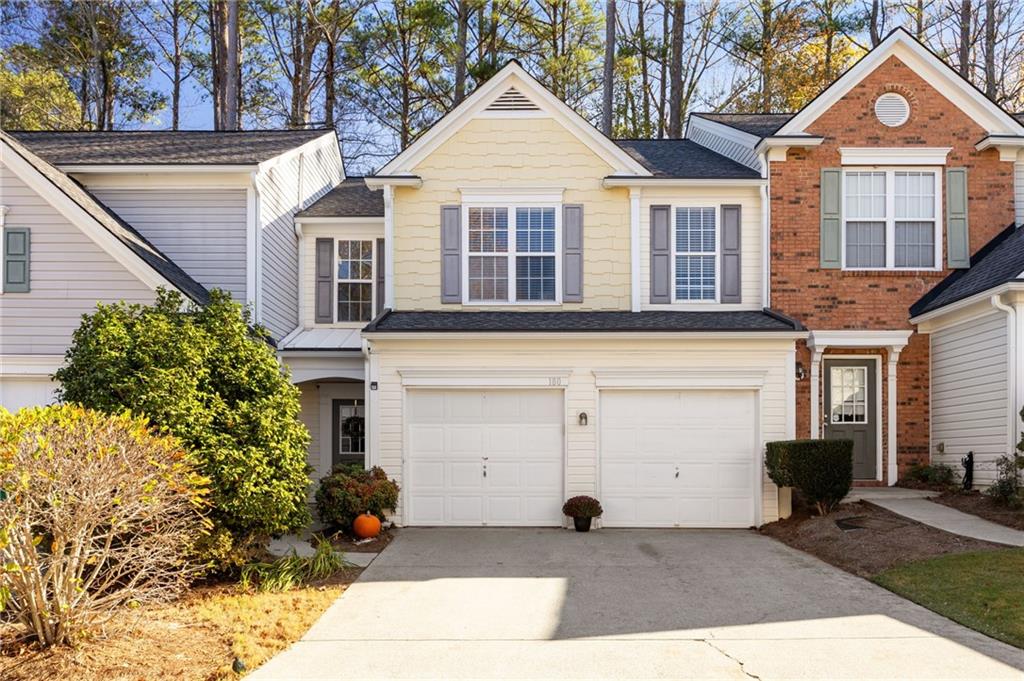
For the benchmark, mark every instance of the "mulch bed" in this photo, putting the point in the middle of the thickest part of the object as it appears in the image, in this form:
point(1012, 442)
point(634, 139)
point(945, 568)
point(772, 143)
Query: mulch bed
point(864, 539)
point(347, 544)
point(978, 504)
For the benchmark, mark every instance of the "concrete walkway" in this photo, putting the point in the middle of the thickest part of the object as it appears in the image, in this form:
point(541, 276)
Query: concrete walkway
point(617, 604)
point(950, 519)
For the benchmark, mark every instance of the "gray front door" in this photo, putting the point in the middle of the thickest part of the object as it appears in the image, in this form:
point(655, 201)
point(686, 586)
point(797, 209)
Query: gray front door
point(851, 410)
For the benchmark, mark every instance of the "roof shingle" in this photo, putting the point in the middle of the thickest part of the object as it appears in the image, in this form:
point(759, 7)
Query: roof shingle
point(685, 159)
point(350, 199)
point(164, 147)
point(758, 124)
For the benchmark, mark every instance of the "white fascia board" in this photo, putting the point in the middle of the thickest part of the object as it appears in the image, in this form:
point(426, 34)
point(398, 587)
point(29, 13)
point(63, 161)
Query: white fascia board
point(1009, 146)
point(858, 338)
point(30, 365)
point(621, 181)
point(134, 168)
point(77, 216)
point(932, 69)
point(381, 181)
point(347, 220)
point(680, 378)
point(970, 300)
point(785, 142)
point(590, 335)
point(513, 75)
point(894, 156)
point(460, 377)
point(722, 130)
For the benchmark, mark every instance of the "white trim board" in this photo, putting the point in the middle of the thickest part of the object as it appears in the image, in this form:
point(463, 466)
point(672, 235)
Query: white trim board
point(894, 156)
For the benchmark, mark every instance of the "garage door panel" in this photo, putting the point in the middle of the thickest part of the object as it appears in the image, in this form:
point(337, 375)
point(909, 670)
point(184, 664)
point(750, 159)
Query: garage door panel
point(619, 441)
point(653, 511)
point(427, 474)
point(545, 475)
point(542, 438)
point(465, 475)
point(655, 475)
point(658, 442)
point(429, 439)
point(465, 440)
point(697, 475)
point(735, 511)
point(734, 476)
point(503, 475)
point(696, 511)
point(465, 510)
point(427, 509)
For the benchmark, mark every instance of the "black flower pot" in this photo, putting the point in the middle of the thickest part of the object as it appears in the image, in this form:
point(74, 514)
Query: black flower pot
point(582, 524)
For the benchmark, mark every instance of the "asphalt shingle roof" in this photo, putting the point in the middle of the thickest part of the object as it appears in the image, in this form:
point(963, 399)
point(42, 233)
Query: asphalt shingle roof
point(587, 322)
point(998, 262)
point(760, 124)
point(124, 232)
point(165, 147)
point(685, 159)
point(351, 199)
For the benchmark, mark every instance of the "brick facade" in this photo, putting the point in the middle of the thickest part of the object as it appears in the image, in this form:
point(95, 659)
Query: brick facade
point(834, 299)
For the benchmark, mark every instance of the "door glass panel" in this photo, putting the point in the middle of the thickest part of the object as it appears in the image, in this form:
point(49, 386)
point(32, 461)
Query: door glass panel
point(349, 431)
point(848, 394)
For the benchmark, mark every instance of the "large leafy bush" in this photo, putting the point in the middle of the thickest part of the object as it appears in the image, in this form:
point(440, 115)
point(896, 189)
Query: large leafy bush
point(208, 377)
point(350, 491)
point(822, 470)
point(99, 513)
point(1008, 488)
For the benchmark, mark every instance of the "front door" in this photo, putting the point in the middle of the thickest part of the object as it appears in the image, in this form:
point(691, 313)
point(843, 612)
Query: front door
point(851, 410)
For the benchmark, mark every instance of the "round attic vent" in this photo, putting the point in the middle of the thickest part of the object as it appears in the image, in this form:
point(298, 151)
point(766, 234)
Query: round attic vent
point(892, 109)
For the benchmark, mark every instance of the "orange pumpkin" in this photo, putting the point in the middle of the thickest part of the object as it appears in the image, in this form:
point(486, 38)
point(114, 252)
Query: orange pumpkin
point(366, 526)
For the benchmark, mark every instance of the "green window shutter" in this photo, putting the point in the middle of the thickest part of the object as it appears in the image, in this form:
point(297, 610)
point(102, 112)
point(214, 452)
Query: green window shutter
point(958, 251)
point(17, 249)
point(831, 218)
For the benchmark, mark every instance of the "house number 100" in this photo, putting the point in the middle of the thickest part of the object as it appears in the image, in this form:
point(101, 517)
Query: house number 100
point(555, 380)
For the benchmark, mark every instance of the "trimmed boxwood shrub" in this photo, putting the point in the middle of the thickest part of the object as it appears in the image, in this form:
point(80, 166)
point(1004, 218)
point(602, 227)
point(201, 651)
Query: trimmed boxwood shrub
point(350, 491)
point(822, 470)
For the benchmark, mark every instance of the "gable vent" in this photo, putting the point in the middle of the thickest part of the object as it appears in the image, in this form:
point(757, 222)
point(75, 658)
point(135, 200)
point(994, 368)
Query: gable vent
point(892, 109)
point(513, 100)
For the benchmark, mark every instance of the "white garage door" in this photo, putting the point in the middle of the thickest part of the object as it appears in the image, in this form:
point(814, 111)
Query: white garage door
point(491, 457)
point(678, 458)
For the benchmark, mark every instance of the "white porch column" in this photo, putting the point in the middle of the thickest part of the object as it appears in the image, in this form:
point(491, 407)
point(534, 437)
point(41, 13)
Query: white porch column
point(816, 352)
point(634, 247)
point(894, 358)
point(389, 246)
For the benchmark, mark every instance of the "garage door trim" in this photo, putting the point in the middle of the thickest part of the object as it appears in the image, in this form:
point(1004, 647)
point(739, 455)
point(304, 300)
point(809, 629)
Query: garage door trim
point(630, 381)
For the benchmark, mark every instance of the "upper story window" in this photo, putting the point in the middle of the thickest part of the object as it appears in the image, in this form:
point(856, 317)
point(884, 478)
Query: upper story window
point(511, 254)
point(696, 255)
point(355, 280)
point(891, 219)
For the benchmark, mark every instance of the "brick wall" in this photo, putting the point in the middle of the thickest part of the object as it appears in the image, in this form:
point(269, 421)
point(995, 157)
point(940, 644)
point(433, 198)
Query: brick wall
point(833, 299)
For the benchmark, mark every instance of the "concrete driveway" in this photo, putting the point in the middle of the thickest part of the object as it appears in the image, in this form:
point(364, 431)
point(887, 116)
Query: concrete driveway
point(532, 603)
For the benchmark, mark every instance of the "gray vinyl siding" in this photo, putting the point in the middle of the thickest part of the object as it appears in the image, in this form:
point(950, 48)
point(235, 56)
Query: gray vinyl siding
point(70, 274)
point(202, 230)
point(969, 394)
point(279, 189)
point(707, 137)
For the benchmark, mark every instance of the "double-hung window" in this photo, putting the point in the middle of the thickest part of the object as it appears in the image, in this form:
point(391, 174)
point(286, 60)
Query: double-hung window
point(355, 280)
point(512, 254)
point(891, 219)
point(696, 255)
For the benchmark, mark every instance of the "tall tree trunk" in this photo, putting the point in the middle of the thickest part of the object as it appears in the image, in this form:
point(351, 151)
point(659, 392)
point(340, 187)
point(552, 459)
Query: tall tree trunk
point(875, 19)
point(919, 16)
point(645, 79)
point(330, 55)
point(767, 56)
point(991, 85)
point(675, 104)
point(965, 38)
point(609, 67)
point(218, 59)
point(232, 89)
point(663, 76)
point(176, 80)
point(462, 20)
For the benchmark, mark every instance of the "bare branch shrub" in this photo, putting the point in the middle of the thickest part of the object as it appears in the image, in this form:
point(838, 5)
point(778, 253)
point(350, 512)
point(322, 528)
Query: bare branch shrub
point(97, 514)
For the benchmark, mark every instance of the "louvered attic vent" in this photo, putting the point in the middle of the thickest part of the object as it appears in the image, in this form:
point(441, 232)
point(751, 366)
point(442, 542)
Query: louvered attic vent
point(512, 100)
point(892, 109)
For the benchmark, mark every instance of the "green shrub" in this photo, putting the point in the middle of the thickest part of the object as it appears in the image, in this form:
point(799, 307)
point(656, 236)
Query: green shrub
point(582, 507)
point(1008, 489)
point(98, 514)
point(291, 571)
point(931, 475)
point(204, 375)
point(350, 491)
point(822, 470)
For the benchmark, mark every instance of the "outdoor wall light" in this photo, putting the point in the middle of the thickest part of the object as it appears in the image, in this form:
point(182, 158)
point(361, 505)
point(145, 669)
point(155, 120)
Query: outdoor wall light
point(801, 373)
point(583, 418)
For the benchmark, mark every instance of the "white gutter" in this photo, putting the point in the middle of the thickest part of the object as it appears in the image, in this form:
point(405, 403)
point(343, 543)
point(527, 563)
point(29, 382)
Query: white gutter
point(136, 168)
point(636, 181)
point(582, 335)
point(381, 181)
point(1014, 285)
point(1011, 369)
point(301, 271)
point(253, 235)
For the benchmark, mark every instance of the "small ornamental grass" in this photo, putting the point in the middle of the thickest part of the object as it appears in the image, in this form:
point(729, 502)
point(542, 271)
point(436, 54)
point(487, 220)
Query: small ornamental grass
point(99, 514)
point(350, 491)
point(582, 507)
point(291, 571)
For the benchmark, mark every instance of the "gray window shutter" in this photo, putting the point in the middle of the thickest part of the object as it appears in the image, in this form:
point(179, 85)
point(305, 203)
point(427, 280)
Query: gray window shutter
point(730, 236)
point(17, 247)
point(380, 277)
point(451, 254)
point(958, 240)
point(324, 281)
point(572, 254)
point(831, 218)
point(661, 254)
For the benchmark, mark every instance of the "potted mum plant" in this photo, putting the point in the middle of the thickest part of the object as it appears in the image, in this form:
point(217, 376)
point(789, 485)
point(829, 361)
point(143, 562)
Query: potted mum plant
point(582, 510)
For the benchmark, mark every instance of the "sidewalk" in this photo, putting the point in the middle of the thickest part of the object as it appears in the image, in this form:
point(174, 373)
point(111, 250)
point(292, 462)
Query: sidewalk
point(914, 504)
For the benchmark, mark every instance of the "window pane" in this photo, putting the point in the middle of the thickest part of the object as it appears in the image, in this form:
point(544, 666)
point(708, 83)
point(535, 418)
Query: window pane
point(535, 277)
point(350, 431)
point(695, 277)
point(865, 244)
point(488, 277)
point(915, 244)
point(849, 395)
point(695, 230)
point(355, 260)
point(488, 230)
point(354, 302)
point(865, 195)
point(535, 230)
point(915, 194)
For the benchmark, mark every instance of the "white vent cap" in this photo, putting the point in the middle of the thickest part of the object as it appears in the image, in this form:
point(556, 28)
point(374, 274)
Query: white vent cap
point(892, 109)
point(513, 100)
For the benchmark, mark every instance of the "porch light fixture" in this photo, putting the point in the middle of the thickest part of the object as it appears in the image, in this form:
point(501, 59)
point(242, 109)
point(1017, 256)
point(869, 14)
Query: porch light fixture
point(582, 418)
point(801, 373)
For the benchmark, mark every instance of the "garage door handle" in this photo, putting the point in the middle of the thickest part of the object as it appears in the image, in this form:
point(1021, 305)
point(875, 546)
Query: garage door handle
point(677, 472)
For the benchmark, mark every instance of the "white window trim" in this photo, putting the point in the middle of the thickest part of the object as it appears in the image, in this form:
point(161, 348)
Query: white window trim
point(890, 217)
point(3, 221)
point(338, 280)
point(512, 253)
point(717, 208)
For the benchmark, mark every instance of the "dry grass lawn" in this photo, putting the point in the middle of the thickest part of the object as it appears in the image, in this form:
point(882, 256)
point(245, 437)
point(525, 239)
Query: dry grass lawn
point(195, 639)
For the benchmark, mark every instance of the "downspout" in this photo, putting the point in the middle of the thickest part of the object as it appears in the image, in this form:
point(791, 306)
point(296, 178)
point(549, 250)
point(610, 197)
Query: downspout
point(254, 253)
point(1011, 346)
point(766, 239)
point(301, 270)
